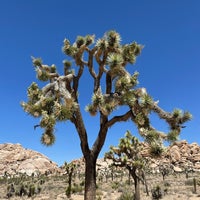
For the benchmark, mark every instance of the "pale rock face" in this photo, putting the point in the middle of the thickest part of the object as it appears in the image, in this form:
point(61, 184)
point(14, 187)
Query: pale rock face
point(16, 159)
point(175, 154)
point(177, 169)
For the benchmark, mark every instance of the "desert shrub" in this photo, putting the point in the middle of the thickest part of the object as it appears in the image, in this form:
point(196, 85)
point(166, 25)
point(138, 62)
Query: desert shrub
point(10, 190)
point(76, 188)
point(21, 190)
point(156, 193)
point(126, 195)
point(68, 191)
point(99, 195)
point(82, 183)
point(32, 190)
point(99, 198)
point(115, 185)
point(167, 184)
point(41, 181)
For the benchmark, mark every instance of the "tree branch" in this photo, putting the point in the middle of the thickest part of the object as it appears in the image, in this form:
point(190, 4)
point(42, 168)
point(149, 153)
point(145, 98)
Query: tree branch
point(161, 113)
point(76, 80)
point(90, 63)
point(119, 118)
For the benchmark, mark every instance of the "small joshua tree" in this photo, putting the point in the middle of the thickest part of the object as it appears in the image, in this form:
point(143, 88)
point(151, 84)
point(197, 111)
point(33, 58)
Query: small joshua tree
point(105, 60)
point(128, 155)
point(69, 168)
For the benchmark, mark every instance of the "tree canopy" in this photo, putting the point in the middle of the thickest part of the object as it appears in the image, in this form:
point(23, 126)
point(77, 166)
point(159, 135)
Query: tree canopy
point(105, 60)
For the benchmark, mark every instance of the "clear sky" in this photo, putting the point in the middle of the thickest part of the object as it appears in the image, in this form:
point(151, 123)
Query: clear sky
point(168, 66)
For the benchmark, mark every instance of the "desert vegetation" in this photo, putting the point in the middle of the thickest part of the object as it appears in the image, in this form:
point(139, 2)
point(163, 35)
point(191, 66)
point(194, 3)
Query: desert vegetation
point(116, 184)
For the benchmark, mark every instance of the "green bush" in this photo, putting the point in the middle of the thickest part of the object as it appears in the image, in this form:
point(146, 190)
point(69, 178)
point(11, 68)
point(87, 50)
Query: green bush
point(156, 193)
point(126, 195)
point(115, 185)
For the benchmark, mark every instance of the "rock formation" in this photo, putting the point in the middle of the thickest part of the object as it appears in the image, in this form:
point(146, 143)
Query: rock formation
point(180, 156)
point(16, 159)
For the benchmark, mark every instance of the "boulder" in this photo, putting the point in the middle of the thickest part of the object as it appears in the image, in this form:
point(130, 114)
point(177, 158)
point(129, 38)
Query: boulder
point(16, 159)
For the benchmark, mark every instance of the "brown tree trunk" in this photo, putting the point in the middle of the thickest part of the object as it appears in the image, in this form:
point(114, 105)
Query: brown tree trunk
point(137, 185)
point(90, 178)
point(137, 189)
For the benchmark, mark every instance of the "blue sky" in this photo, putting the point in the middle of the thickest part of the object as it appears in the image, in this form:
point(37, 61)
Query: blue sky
point(168, 66)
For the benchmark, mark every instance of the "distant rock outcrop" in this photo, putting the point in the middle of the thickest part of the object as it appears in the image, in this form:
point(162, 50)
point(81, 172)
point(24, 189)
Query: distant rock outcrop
point(16, 159)
point(179, 156)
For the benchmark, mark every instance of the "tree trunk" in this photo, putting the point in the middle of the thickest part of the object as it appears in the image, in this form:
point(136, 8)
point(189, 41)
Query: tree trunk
point(137, 189)
point(69, 185)
point(90, 178)
point(137, 186)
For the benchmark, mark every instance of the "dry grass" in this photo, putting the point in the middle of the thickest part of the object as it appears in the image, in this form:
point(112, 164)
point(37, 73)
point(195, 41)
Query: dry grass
point(175, 188)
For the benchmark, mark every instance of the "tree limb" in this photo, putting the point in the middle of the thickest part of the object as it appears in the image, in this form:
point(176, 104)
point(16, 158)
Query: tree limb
point(119, 118)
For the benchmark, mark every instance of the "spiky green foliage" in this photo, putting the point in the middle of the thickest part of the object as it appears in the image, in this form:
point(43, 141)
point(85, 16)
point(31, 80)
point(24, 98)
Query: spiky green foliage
point(48, 137)
point(69, 49)
point(114, 60)
point(37, 61)
point(152, 136)
point(127, 154)
point(102, 44)
point(67, 64)
point(178, 118)
point(113, 39)
point(130, 52)
point(156, 150)
point(172, 136)
point(89, 39)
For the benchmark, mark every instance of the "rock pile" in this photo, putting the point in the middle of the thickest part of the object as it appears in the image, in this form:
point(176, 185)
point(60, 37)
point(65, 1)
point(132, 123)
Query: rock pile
point(16, 159)
point(181, 156)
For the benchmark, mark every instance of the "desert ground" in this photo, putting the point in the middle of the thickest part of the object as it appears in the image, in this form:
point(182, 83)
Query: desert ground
point(174, 187)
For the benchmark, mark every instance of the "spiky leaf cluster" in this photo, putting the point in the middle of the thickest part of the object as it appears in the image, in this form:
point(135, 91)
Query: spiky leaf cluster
point(48, 137)
point(126, 82)
point(104, 104)
point(42, 75)
point(152, 136)
point(131, 51)
point(115, 60)
point(102, 44)
point(146, 100)
point(172, 136)
point(156, 149)
point(69, 167)
point(142, 119)
point(69, 49)
point(178, 118)
point(113, 39)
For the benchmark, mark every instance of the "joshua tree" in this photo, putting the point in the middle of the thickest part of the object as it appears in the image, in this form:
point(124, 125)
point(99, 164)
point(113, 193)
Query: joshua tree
point(69, 168)
point(128, 154)
point(105, 60)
